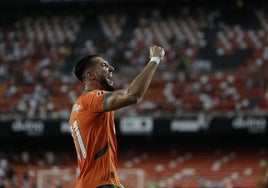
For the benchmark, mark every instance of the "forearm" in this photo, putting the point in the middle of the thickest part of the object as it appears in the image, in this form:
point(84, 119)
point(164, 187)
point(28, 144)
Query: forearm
point(137, 88)
point(140, 84)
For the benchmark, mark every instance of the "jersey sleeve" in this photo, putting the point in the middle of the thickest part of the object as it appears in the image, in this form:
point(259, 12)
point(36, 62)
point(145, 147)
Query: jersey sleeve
point(97, 100)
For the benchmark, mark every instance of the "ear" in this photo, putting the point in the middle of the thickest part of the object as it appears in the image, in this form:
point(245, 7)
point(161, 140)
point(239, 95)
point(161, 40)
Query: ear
point(90, 75)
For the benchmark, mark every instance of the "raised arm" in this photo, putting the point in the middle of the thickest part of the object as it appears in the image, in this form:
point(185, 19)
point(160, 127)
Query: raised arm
point(134, 92)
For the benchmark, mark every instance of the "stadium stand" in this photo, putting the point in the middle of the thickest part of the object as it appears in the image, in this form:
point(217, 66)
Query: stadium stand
point(215, 65)
point(41, 47)
point(174, 164)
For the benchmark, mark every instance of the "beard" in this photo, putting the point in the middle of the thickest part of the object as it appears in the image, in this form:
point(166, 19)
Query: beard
point(106, 85)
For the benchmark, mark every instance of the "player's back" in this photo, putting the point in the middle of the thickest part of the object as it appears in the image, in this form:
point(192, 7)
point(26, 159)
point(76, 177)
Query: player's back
point(94, 137)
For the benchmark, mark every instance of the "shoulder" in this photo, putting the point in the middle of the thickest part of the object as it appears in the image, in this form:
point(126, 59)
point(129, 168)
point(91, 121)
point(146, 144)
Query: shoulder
point(99, 93)
point(95, 95)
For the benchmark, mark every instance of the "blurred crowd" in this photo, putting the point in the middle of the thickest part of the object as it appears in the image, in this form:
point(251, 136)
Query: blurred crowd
point(22, 169)
point(38, 51)
point(23, 161)
point(164, 168)
point(212, 66)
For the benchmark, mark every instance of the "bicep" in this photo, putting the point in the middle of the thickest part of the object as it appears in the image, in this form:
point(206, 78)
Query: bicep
point(119, 99)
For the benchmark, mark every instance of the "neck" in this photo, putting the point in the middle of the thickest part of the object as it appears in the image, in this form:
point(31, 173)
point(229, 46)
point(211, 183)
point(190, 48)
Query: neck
point(90, 86)
point(86, 90)
point(87, 87)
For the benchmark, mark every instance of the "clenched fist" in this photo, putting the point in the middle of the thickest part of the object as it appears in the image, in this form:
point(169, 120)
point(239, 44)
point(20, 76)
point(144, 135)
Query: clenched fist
point(157, 51)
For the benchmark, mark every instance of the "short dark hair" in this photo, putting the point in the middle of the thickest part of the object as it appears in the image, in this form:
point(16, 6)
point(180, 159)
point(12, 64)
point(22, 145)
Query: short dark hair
point(82, 65)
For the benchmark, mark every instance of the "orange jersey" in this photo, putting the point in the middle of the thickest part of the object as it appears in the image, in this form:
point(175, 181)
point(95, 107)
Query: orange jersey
point(94, 136)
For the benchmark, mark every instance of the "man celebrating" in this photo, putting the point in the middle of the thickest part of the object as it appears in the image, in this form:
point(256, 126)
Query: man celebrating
point(92, 117)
